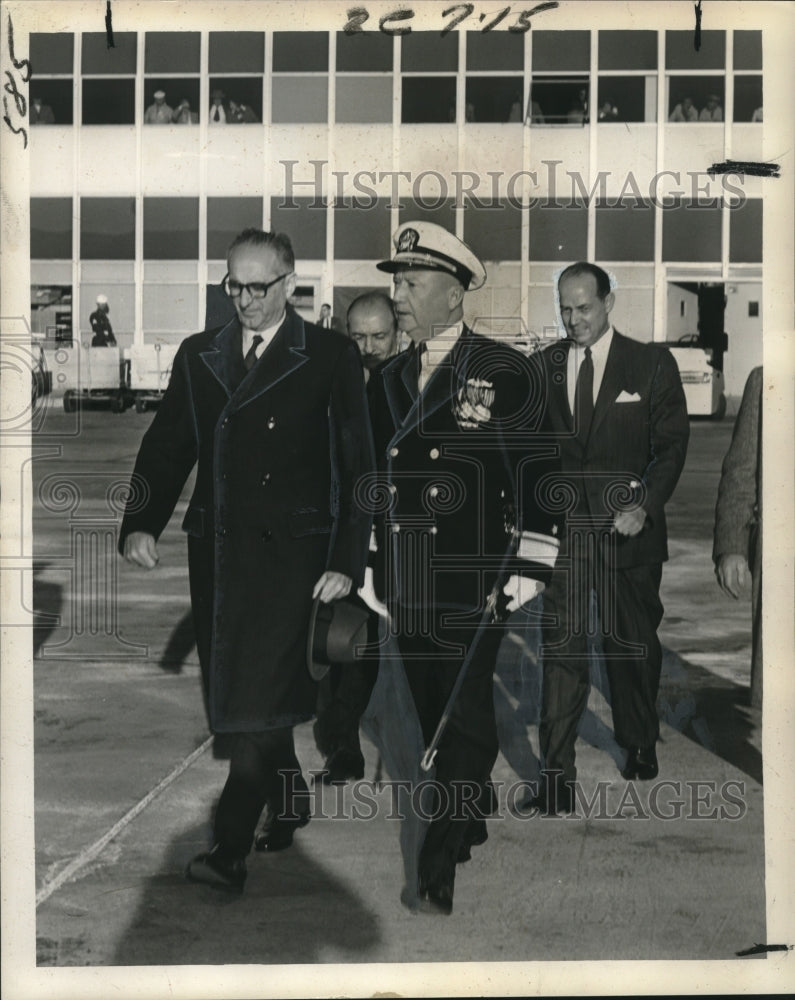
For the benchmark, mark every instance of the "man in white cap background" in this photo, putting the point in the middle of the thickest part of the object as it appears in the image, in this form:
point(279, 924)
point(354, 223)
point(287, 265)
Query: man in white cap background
point(454, 421)
point(158, 113)
point(100, 324)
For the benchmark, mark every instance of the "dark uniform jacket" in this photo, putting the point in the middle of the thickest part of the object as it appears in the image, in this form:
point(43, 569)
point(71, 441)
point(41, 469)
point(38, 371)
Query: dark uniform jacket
point(637, 443)
point(458, 471)
point(279, 450)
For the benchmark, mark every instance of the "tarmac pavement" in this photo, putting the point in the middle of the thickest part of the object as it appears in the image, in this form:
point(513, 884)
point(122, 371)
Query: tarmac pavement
point(646, 872)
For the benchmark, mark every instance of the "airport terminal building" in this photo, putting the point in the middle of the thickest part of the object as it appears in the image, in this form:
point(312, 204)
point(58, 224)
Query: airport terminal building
point(537, 147)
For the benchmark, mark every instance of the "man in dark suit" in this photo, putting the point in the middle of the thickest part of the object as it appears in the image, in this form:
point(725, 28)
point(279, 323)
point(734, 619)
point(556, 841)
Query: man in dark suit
point(453, 422)
point(619, 413)
point(274, 412)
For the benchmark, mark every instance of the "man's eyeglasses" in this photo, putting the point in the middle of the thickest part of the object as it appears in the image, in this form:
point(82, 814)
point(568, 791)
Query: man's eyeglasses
point(256, 289)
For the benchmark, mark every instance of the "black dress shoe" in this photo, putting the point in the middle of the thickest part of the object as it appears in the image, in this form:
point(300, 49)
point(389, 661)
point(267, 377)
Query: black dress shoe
point(217, 870)
point(277, 833)
point(343, 764)
point(436, 896)
point(641, 763)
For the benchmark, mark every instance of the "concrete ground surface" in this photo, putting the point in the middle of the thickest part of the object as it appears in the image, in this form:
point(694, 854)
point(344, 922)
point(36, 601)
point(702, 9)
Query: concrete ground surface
point(634, 880)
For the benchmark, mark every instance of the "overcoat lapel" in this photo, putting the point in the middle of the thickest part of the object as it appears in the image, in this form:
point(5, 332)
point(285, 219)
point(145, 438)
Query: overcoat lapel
point(284, 355)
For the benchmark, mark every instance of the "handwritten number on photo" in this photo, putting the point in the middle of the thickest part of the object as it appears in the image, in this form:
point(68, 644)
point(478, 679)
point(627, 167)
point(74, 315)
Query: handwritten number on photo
point(11, 87)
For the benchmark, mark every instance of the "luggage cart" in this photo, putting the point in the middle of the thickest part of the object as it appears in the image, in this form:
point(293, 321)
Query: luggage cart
point(150, 371)
point(99, 366)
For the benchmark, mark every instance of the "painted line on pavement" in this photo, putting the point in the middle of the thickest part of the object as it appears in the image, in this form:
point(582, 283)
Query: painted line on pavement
point(91, 852)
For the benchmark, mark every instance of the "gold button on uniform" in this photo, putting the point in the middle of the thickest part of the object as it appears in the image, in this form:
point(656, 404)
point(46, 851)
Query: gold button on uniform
point(434, 453)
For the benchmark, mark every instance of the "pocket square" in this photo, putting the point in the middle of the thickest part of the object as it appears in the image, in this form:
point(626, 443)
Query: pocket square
point(628, 397)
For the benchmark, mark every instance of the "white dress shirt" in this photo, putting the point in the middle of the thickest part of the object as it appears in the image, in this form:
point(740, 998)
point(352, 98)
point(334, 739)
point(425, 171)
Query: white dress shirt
point(599, 352)
point(436, 350)
point(267, 336)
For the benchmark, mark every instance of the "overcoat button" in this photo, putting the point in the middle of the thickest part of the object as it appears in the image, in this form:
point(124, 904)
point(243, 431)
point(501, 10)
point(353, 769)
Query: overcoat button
point(271, 423)
point(434, 530)
point(434, 491)
point(395, 529)
point(394, 452)
point(392, 489)
point(266, 479)
point(267, 534)
point(434, 453)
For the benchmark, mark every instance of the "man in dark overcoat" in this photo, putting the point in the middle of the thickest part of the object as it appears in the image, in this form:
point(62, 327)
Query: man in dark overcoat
point(618, 411)
point(454, 423)
point(273, 410)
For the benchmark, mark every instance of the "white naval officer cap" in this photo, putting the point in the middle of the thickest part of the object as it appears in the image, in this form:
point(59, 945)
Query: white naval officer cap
point(160, 93)
point(102, 300)
point(426, 246)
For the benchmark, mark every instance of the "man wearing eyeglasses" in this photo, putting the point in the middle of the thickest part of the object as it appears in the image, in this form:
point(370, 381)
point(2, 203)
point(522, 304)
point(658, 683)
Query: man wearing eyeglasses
point(273, 411)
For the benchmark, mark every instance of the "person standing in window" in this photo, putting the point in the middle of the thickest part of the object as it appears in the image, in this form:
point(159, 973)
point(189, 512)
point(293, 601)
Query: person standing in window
point(40, 113)
point(685, 111)
point(100, 324)
point(219, 108)
point(183, 114)
point(158, 113)
point(242, 114)
point(712, 111)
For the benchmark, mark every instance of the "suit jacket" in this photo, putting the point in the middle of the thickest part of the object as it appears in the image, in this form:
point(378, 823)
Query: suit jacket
point(456, 490)
point(738, 512)
point(279, 451)
point(636, 447)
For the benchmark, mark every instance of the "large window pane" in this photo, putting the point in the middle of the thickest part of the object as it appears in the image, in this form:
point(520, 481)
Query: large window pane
point(171, 228)
point(107, 228)
point(176, 89)
point(559, 100)
point(558, 231)
point(237, 51)
point(364, 52)
point(626, 98)
point(561, 50)
point(243, 91)
point(625, 231)
point(52, 52)
point(226, 217)
point(170, 308)
point(364, 99)
point(429, 52)
point(300, 51)
point(495, 50)
point(747, 98)
point(494, 233)
point(51, 228)
point(57, 95)
point(362, 234)
point(172, 52)
point(680, 50)
point(108, 102)
point(428, 99)
point(494, 99)
point(627, 50)
point(698, 90)
point(747, 49)
point(745, 232)
point(98, 59)
point(304, 224)
point(299, 99)
point(691, 232)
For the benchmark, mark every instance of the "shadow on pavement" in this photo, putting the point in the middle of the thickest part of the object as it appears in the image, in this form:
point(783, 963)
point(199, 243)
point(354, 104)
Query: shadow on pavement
point(47, 607)
point(710, 711)
point(282, 916)
point(180, 643)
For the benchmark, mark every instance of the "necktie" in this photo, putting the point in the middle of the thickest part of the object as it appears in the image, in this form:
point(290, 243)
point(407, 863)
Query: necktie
point(251, 354)
point(583, 397)
point(217, 115)
point(422, 360)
